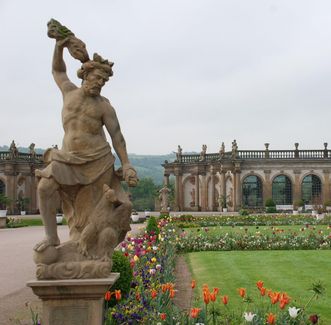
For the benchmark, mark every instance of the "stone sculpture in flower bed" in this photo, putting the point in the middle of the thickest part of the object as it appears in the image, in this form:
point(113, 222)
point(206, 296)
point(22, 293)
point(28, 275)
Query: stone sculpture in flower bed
point(82, 172)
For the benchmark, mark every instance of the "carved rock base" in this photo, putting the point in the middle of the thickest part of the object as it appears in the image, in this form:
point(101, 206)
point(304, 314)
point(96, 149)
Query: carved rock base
point(72, 302)
point(74, 270)
point(65, 262)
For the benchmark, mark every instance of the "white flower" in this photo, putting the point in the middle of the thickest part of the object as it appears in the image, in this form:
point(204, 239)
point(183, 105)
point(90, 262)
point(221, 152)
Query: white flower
point(158, 266)
point(123, 249)
point(249, 316)
point(154, 248)
point(152, 271)
point(293, 311)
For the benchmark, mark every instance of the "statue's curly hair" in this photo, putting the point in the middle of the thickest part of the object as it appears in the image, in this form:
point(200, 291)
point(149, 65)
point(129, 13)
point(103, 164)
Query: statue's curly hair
point(97, 63)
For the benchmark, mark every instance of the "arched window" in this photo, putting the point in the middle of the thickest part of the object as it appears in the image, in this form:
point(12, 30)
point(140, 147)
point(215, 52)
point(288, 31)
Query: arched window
point(311, 189)
point(2, 187)
point(282, 190)
point(252, 192)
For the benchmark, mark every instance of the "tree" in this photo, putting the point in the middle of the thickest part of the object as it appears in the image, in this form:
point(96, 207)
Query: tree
point(143, 195)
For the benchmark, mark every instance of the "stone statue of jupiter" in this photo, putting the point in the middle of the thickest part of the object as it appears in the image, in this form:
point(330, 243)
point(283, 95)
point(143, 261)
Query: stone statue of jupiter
point(82, 171)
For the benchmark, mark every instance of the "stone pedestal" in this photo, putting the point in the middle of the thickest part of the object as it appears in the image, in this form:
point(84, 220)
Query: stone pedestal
point(72, 302)
point(3, 222)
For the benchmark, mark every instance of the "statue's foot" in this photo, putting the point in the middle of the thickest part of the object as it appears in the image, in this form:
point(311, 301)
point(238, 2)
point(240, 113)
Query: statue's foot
point(41, 246)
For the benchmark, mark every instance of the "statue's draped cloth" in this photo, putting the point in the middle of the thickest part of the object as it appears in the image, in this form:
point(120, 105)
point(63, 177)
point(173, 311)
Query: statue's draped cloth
point(73, 168)
point(78, 168)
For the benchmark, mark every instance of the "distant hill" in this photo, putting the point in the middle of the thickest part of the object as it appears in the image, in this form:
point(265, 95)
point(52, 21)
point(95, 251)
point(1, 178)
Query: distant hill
point(146, 165)
point(149, 165)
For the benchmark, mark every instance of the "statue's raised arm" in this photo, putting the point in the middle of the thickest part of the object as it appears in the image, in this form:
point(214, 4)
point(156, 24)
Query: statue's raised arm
point(65, 38)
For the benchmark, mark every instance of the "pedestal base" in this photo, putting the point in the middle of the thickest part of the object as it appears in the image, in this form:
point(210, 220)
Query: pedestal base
point(72, 302)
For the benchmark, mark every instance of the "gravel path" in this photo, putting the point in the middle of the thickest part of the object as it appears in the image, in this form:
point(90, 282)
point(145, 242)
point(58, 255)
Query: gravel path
point(17, 267)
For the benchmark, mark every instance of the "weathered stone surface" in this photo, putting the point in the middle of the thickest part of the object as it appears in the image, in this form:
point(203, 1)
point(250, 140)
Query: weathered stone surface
point(71, 302)
point(82, 172)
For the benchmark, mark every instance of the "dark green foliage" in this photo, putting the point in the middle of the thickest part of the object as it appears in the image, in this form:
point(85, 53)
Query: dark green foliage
point(121, 264)
point(271, 210)
point(152, 228)
point(143, 195)
point(244, 212)
point(270, 203)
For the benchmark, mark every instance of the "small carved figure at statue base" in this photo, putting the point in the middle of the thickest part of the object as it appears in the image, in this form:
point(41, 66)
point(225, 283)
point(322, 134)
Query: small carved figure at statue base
point(82, 172)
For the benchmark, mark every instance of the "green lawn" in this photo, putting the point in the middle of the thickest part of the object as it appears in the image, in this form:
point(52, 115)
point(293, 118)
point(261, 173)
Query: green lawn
point(289, 271)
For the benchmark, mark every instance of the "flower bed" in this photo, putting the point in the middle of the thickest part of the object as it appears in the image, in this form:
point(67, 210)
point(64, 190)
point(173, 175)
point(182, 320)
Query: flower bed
point(258, 241)
point(150, 300)
point(188, 221)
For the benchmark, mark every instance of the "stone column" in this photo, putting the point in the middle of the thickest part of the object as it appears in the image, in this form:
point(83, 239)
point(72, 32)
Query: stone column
point(181, 192)
point(204, 190)
point(267, 188)
point(238, 190)
point(72, 302)
point(177, 189)
point(166, 180)
point(297, 185)
point(197, 192)
point(212, 182)
point(326, 185)
point(236, 187)
point(223, 183)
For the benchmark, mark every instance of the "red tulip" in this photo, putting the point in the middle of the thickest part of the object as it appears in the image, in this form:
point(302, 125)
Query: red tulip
point(107, 296)
point(225, 300)
point(271, 318)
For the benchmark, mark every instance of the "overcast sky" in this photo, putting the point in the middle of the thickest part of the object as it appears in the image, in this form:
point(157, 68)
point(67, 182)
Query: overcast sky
point(186, 72)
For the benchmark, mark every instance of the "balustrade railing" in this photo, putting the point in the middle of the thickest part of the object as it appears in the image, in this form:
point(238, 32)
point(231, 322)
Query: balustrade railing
point(7, 155)
point(257, 154)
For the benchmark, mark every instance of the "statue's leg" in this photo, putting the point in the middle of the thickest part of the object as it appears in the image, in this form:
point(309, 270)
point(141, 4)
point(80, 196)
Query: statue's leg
point(47, 188)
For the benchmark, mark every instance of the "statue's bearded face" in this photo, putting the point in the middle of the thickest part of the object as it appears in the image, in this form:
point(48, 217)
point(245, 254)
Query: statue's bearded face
point(93, 83)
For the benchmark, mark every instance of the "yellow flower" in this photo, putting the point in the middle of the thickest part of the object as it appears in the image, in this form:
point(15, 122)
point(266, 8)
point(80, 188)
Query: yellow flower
point(153, 259)
point(135, 258)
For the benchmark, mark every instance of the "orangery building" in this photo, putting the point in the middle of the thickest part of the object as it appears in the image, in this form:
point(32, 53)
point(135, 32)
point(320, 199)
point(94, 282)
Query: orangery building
point(239, 179)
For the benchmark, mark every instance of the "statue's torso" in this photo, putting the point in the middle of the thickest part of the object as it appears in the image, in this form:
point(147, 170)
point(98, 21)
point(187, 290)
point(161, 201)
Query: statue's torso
point(82, 121)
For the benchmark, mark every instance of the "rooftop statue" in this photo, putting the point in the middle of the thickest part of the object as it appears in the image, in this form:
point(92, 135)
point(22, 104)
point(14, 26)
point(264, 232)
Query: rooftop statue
point(82, 171)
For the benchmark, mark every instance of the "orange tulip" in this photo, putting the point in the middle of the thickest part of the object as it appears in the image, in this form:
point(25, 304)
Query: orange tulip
point(216, 290)
point(206, 297)
point(107, 296)
point(225, 300)
point(271, 318)
point(283, 300)
point(163, 316)
point(138, 296)
point(164, 288)
point(259, 284)
point(212, 296)
point(274, 297)
point(242, 292)
point(118, 295)
point(193, 283)
point(171, 293)
point(153, 293)
point(195, 312)
point(263, 291)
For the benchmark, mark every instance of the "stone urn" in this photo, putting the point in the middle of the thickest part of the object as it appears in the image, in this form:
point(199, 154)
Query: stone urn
point(135, 217)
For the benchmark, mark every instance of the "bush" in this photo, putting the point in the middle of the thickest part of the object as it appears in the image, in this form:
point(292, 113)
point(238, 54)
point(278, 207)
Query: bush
point(152, 228)
point(271, 209)
point(121, 264)
point(270, 203)
point(244, 212)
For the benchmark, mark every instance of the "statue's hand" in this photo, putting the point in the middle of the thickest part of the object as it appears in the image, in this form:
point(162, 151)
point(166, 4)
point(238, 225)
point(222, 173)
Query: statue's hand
point(62, 42)
point(130, 175)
